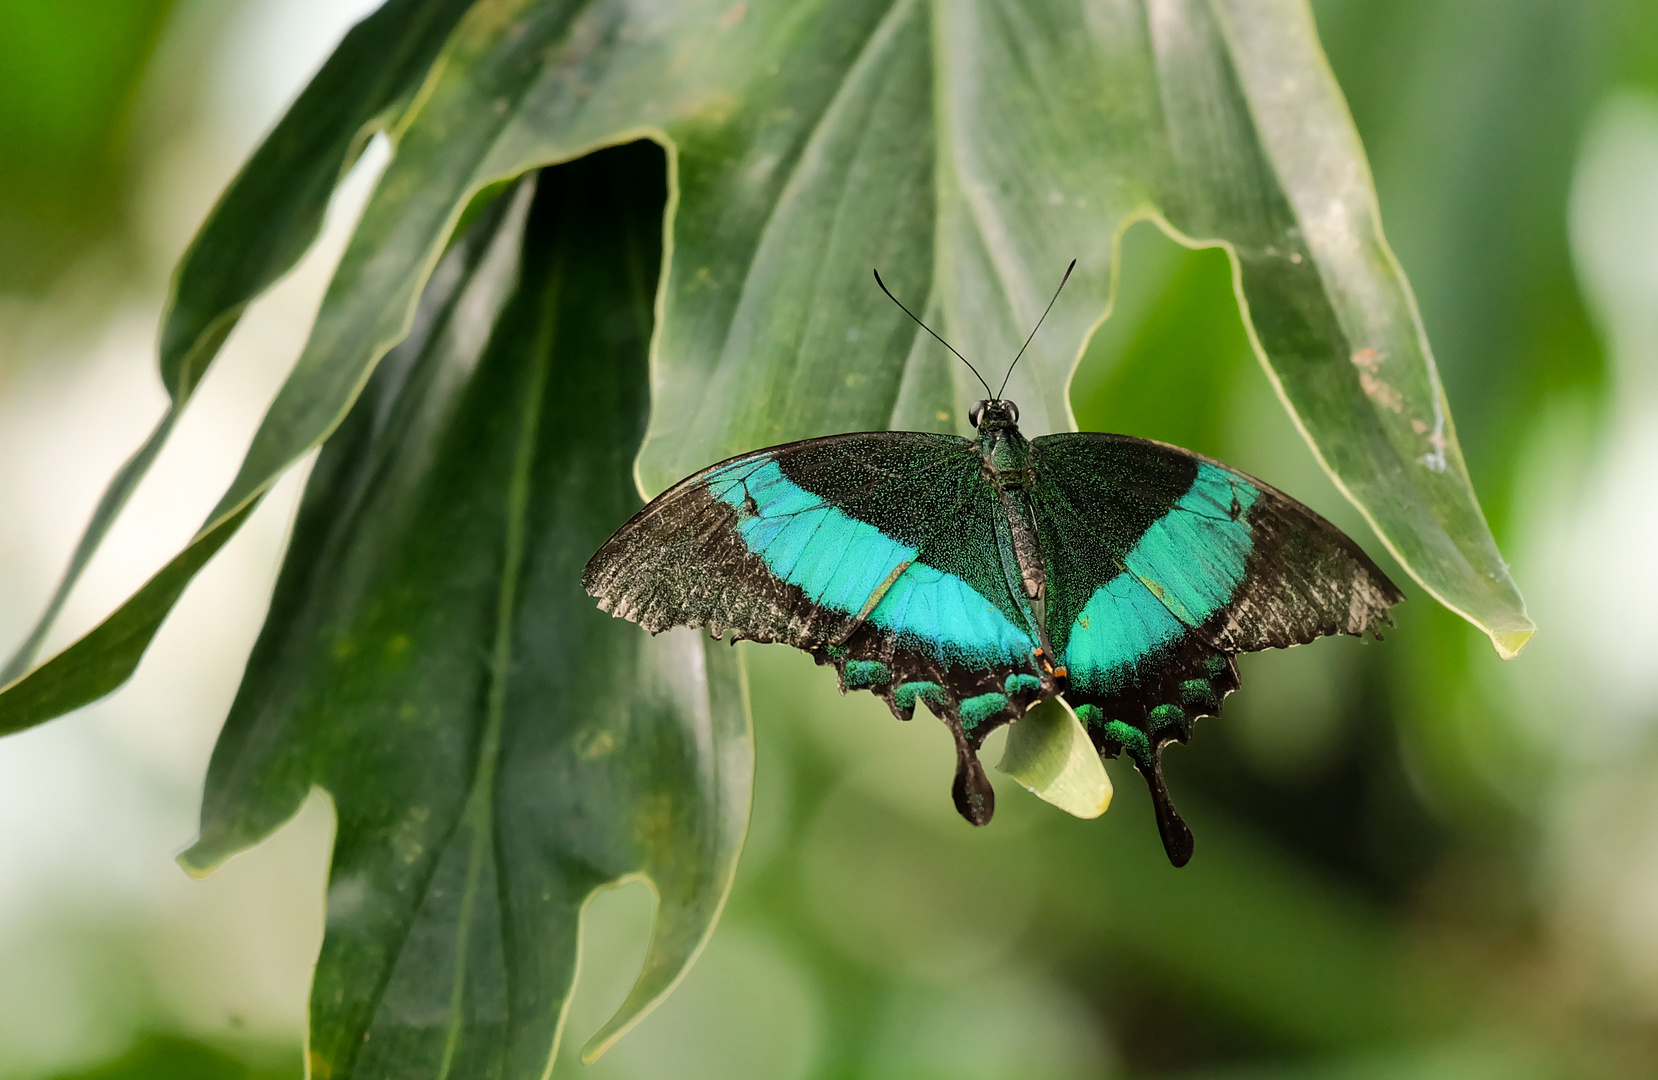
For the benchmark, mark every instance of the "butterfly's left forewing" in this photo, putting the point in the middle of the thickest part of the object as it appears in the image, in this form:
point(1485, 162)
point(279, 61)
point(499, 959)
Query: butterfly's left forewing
point(875, 552)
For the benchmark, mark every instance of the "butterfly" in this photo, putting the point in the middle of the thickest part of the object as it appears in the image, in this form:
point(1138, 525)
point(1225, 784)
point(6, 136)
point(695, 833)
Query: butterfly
point(984, 575)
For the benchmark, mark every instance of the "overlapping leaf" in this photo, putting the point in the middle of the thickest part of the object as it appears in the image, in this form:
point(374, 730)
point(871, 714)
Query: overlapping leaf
point(496, 748)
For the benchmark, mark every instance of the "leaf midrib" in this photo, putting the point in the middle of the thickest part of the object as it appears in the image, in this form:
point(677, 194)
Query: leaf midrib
point(479, 816)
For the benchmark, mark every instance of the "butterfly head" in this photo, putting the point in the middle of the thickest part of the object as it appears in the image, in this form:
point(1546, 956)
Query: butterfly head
point(992, 414)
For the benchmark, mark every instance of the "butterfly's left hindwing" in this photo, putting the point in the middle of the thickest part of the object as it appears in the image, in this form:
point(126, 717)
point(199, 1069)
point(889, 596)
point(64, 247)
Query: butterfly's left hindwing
point(1162, 565)
point(875, 552)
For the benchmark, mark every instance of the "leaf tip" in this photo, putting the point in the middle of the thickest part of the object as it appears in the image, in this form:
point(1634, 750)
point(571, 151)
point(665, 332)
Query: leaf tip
point(678, 936)
point(1510, 642)
point(1050, 754)
point(199, 859)
point(606, 1037)
point(647, 993)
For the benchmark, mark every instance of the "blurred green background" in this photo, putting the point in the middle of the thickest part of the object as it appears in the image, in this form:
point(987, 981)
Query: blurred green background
point(1414, 860)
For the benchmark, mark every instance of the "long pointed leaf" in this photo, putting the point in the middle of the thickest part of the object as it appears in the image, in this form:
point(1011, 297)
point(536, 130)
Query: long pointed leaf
point(496, 748)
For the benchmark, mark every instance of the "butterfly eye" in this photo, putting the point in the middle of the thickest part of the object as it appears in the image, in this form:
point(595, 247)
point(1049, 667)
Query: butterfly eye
point(1012, 411)
point(975, 412)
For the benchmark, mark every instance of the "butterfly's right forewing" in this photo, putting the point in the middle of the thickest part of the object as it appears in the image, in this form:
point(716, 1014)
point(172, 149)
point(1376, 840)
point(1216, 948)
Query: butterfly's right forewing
point(1164, 564)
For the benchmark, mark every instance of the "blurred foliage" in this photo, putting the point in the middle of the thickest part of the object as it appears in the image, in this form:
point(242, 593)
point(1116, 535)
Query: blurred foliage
point(158, 1056)
point(69, 74)
point(1368, 903)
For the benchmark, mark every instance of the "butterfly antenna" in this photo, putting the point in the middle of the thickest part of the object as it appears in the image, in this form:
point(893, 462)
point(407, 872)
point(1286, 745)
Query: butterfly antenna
point(929, 330)
point(1037, 327)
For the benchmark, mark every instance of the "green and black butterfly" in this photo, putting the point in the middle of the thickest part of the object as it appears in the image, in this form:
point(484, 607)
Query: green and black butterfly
point(984, 575)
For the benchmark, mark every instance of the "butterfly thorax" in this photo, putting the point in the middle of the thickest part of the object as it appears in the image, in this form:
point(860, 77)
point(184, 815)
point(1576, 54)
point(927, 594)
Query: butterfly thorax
point(1010, 467)
point(1006, 452)
point(1007, 458)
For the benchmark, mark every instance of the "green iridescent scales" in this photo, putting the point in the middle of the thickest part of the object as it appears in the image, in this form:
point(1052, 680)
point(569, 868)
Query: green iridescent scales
point(983, 576)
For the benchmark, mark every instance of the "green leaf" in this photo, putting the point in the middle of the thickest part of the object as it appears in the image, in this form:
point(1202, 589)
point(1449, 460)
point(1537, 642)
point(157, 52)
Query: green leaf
point(497, 749)
point(968, 149)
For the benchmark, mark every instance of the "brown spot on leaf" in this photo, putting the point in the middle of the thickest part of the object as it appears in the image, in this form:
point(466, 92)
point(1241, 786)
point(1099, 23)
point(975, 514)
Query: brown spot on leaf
point(1381, 392)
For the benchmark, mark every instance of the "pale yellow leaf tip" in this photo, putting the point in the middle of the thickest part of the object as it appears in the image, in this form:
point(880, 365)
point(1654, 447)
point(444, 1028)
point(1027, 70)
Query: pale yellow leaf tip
point(1049, 753)
point(198, 860)
point(1510, 642)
